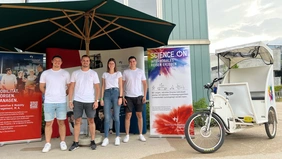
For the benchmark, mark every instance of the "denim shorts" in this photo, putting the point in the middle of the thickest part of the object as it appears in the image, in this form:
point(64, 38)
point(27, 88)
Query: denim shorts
point(55, 110)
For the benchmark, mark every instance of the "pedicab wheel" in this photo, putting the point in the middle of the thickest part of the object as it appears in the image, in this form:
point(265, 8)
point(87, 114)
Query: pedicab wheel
point(271, 125)
point(201, 139)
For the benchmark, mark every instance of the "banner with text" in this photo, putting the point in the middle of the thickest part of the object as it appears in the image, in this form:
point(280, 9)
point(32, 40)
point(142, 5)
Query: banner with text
point(20, 98)
point(170, 93)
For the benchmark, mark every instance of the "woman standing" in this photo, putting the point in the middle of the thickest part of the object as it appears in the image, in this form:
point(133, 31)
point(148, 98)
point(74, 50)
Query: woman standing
point(111, 97)
point(21, 82)
point(30, 82)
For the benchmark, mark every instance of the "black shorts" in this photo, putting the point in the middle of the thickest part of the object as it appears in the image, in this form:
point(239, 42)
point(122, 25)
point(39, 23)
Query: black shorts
point(135, 103)
point(79, 107)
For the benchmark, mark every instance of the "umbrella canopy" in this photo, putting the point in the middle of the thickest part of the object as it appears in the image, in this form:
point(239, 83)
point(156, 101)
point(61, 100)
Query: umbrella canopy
point(91, 24)
point(6, 47)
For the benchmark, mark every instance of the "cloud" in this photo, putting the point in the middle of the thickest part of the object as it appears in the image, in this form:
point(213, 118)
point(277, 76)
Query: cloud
point(238, 22)
point(270, 27)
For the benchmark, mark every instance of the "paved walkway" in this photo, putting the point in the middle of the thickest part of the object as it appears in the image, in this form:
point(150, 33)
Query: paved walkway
point(248, 144)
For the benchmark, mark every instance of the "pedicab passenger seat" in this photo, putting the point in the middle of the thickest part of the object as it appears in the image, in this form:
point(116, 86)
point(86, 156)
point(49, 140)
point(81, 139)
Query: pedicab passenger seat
point(257, 95)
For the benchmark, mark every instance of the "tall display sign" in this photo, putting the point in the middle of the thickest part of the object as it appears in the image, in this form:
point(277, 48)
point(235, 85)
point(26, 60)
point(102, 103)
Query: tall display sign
point(20, 98)
point(170, 95)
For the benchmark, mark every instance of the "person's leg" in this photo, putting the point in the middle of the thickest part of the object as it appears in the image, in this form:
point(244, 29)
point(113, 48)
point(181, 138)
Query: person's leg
point(77, 114)
point(90, 113)
point(111, 121)
point(61, 114)
point(62, 129)
point(48, 131)
point(140, 121)
point(91, 127)
point(127, 122)
point(139, 110)
point(107, 112)
point(76, 129)
point(49, 111)
point(49, 114)
point(116, 111)
point(128, 114)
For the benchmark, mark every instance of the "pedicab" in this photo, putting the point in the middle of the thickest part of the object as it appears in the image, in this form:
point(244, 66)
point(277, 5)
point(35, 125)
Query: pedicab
point(245, 98)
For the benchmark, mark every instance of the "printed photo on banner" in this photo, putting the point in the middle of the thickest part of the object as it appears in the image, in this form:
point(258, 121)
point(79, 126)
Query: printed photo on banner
point(20, 72)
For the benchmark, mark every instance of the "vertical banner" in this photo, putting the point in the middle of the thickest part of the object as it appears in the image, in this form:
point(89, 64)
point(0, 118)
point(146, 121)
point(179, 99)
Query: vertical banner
point(170, 93)
point(20, 98)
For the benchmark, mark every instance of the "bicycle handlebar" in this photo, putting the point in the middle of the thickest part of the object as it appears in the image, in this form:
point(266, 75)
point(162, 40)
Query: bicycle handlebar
point(209, 85)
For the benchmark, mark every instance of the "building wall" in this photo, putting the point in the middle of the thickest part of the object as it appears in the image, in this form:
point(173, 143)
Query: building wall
point(190, 17)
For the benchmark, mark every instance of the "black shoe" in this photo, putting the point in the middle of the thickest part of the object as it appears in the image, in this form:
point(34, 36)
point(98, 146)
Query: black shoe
point(74, 146)
point(93, 145)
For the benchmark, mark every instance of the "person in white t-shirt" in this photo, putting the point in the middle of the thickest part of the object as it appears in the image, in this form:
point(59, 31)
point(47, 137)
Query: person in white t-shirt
point(54, 83)
point(30, 82)
point(111, 97)
point(84, 93)
point(134, 98)
point(9, 80)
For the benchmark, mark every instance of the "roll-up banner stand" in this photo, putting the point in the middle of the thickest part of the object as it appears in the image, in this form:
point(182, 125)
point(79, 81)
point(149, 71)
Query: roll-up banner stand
point(20, 98)
point(170, 92)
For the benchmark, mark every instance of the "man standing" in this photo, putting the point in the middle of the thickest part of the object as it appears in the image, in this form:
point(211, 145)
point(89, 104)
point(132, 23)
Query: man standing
point(133, 80)
point(54, 83)
point(9, 80)
point(84, 95)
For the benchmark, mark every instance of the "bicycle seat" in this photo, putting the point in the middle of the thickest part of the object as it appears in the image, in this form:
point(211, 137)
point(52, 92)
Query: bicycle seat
point(228, 93)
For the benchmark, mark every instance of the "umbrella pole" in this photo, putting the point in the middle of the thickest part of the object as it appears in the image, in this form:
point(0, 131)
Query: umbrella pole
point(87, 38)
point(87, 46)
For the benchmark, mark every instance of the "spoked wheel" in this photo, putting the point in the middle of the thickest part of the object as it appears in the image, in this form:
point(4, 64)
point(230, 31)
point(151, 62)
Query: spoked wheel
point(271, 125)
point(201, 138)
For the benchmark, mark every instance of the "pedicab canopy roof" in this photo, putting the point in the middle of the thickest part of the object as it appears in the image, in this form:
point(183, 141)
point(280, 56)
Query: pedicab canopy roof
point(233, 55)
point(80, 25)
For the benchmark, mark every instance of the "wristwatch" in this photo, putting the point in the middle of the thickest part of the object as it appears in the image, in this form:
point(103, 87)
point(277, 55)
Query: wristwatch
point(120, 97)
point(97, 100)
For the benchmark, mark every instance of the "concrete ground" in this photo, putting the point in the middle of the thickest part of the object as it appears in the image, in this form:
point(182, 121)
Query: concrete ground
point(248, 144)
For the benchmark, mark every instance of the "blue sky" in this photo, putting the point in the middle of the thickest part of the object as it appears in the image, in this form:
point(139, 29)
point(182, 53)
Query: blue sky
point(235, 22)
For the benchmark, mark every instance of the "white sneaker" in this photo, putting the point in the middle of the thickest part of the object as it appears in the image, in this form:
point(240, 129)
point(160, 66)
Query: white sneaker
point(47, 147)
point(117, 141)
point(142, 138)
point(63, 146)
point(105, 142)
point(126, 138)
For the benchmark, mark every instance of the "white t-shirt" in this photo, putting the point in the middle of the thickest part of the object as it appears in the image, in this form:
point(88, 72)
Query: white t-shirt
point(133, 82)
point(9, 81)
point(111, 80)
point(31, 78)
point(84, 85)
point(56, 85)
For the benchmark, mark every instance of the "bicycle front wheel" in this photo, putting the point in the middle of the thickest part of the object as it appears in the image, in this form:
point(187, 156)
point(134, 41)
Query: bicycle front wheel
point(200, 137)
